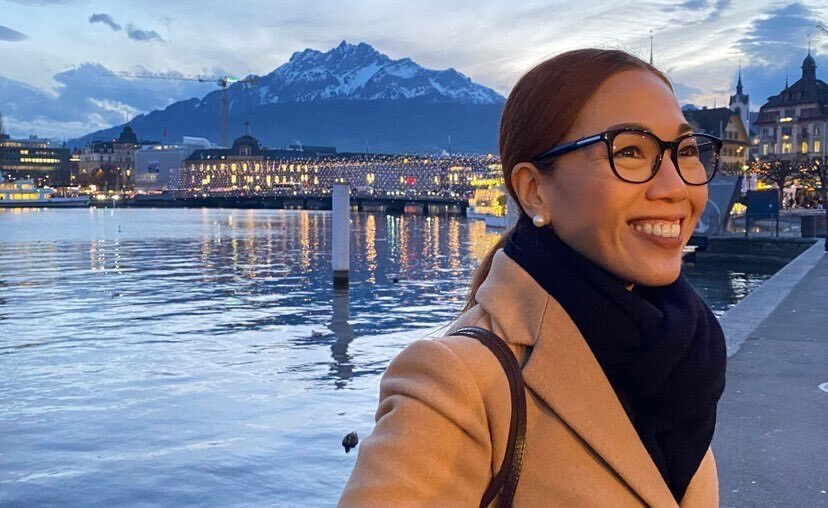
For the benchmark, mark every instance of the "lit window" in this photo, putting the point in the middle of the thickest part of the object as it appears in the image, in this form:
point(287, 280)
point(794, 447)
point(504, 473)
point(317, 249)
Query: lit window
point(817, 146)
point(804, 147)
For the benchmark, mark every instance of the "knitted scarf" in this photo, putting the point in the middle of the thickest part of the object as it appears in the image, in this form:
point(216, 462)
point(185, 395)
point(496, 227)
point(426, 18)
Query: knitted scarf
point(661, 348)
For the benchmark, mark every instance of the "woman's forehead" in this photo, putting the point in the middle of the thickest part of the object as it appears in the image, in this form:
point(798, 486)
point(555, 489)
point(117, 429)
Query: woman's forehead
point(632, 97)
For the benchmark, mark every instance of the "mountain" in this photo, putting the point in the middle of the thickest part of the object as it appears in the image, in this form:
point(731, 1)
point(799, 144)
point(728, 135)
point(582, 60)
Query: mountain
point(352, 97)
point(359, 72)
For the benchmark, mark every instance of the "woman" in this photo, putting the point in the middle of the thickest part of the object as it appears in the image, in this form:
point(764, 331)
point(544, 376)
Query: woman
point(623, 362)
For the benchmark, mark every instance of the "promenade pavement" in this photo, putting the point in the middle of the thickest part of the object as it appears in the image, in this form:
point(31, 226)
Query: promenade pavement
point(771, 440)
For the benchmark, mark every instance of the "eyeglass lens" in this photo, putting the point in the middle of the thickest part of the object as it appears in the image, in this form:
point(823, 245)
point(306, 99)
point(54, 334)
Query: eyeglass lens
point(635, 155)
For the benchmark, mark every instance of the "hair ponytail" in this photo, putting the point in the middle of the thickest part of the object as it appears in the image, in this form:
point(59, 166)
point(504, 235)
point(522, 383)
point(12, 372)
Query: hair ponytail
point(482, 271)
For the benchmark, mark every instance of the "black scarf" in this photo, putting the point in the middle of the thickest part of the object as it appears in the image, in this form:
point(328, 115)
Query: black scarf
point(661, 348)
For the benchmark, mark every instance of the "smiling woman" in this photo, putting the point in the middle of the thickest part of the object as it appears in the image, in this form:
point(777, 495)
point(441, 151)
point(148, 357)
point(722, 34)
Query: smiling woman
point(622, 361)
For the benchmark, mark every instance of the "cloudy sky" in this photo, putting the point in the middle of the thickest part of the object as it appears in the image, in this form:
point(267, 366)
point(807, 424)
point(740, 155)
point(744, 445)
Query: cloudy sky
point(56, 54)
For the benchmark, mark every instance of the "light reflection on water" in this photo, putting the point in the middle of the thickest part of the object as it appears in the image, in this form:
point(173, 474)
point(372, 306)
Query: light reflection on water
point(203, 357)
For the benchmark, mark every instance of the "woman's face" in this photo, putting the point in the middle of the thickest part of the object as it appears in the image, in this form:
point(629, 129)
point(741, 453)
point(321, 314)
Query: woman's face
point(606, 219)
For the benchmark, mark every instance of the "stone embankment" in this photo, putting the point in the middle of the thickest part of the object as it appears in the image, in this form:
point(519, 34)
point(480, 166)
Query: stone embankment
point(771, 440)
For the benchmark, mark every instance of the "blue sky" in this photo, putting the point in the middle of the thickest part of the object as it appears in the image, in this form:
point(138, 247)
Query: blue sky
point(54, 52)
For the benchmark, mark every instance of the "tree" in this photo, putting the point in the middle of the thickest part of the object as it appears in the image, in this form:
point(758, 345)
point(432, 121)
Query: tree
point(781, 173)
point(815, 174)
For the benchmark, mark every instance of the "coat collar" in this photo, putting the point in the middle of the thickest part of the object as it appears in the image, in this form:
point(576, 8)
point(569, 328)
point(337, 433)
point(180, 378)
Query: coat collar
point(563, 372)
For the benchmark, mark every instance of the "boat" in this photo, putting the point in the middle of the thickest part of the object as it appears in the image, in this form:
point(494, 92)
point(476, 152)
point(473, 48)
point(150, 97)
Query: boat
point(491, 220)
point(488, 203)
point(26, 194)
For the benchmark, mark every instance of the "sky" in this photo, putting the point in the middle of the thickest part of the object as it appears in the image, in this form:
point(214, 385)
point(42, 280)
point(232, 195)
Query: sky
point(57, 56)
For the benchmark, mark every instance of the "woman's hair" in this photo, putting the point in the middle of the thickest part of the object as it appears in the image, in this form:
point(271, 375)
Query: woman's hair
point(542, 108)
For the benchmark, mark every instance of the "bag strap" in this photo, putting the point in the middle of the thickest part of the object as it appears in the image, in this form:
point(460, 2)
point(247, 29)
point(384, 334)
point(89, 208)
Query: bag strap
point(506, 480)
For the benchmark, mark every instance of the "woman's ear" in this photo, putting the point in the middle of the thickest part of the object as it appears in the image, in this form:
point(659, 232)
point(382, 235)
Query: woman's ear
point(526, 181)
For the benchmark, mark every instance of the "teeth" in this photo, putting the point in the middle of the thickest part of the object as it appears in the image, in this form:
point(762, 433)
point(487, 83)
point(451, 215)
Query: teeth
point(662, 229)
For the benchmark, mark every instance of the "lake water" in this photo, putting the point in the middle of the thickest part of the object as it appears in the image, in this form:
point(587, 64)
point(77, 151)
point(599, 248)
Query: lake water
point(202, 357)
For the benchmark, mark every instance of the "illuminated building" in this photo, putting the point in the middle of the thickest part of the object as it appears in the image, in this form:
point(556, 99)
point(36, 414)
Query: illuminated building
point(109, 164)
point(34, 158)
point(793, 123)
point(248, 169)
point(727, 125)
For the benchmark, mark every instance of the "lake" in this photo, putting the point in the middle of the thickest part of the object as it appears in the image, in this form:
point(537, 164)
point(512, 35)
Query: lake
point(202, 356)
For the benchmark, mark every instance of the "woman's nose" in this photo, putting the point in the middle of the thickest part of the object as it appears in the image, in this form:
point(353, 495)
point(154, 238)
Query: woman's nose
point(667, 183)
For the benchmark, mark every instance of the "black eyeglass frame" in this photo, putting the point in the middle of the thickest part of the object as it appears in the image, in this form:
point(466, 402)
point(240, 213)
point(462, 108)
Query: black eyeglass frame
point(609, 136)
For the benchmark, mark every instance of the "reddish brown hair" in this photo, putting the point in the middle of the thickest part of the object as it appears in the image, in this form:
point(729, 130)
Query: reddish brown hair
point(542, 108)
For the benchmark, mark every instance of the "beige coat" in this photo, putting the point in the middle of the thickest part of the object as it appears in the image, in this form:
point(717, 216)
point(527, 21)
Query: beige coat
point(444, 413)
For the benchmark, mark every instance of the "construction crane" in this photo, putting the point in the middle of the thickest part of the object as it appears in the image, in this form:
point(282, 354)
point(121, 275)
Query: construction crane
point(223, 83)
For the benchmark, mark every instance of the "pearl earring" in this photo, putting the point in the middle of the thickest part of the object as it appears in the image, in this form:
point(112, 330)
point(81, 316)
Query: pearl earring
point(539, 221)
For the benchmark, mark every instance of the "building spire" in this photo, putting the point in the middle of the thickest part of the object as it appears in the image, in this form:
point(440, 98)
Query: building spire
point(651, 47)
point(739, 84)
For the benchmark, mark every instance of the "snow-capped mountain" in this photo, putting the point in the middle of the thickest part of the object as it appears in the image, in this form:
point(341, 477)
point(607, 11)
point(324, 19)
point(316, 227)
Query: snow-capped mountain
point(352, 97)
point(360, 72)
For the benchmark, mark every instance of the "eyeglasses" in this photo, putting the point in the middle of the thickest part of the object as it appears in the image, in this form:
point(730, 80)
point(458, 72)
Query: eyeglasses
point(635, 155)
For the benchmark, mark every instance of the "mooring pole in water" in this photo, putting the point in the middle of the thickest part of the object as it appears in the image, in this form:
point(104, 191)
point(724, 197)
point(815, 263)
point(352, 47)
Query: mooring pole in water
point(341, 209)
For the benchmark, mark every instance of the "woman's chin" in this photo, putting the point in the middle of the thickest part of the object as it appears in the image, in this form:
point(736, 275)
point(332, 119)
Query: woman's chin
point(654, 276)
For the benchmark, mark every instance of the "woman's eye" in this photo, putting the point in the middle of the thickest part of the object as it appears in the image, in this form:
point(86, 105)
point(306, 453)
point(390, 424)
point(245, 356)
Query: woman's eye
point(629, 151)
point(689, 151)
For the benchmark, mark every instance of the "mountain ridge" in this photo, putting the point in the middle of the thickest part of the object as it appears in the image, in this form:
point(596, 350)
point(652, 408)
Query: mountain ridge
point(313, 82)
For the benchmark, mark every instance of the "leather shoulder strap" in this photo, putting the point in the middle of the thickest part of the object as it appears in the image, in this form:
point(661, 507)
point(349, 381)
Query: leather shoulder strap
point(506, 480)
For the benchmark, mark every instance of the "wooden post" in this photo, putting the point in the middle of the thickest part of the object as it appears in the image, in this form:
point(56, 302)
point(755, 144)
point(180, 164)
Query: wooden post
point(341, 210)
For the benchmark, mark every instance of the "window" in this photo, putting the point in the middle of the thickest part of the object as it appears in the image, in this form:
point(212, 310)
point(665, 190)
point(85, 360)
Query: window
point(804, 147)
point(817, 146)
point(765, 149)
point(817, 131)
point(787, 147)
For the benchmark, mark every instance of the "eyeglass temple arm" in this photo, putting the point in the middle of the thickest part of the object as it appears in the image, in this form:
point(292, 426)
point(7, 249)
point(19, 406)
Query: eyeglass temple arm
point(568, 147)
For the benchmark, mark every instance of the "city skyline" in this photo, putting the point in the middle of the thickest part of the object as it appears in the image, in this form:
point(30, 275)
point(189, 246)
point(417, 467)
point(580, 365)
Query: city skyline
point(56, 50)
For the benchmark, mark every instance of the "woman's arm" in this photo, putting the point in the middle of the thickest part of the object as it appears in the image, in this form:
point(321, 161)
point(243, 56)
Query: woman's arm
point(431, 444)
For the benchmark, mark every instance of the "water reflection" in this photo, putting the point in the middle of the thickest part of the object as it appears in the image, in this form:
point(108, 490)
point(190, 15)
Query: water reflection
point(342, 368)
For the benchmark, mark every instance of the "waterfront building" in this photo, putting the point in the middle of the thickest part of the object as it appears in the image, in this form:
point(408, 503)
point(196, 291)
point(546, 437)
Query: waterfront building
point(793, 123)
point(728, 125)
point(247, 168)
point(155, 163)
point(34, 159)
point(109, 164)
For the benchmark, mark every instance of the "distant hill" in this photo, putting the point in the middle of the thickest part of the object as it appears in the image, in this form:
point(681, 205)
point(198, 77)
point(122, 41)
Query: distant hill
point(352, 97)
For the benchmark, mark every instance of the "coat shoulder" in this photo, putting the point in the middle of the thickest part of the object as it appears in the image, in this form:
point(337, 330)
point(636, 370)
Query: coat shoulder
point(452, 367)
point(431, 440)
